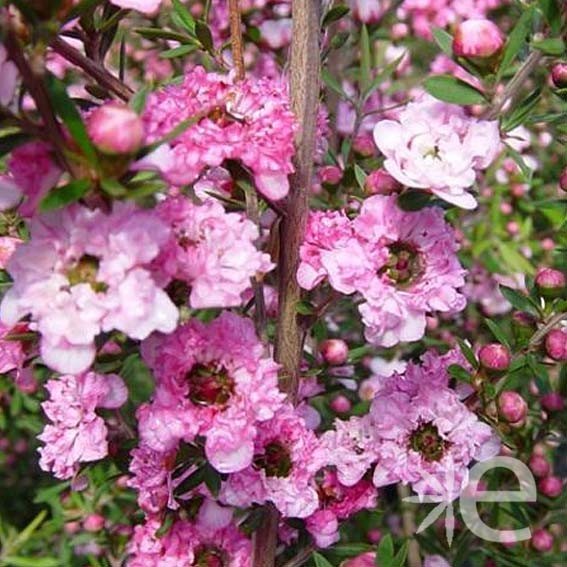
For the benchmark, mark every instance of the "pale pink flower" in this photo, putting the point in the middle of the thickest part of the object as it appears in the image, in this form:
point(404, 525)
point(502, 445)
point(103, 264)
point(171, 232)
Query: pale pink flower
point(435, 561)
point(34, 172)
point(276, 33)
point(250, 121)
point(424, 434)
point(143, 6)
point(436, 146)
point(7, 246)
point(76, 433)
point(212, 251)
point(369, 11)
point(12, 352)
point(212, 380)
point(9, 74)
point(286, 457)
point(84, 272)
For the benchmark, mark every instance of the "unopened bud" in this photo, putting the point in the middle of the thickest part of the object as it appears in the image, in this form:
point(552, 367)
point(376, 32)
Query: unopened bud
point(380, 182)
point(556, 344)
point(512, 407)
point(552, 402)
point(563, 180)
point(559, 75)
point(334, 351)
point(330, 174)
point(542, 540)
point(539, 466)
point(551, 486)
point(494, 357)
point(115, 128)
point(550, 283)
point(93, 523)
point(341, 404)
point(479, 39)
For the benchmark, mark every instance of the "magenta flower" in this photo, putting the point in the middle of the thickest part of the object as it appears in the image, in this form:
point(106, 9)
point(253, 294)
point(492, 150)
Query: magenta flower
point(212, 380)
point(84, 272)
point(77, 434)
point(249, 121)
point(210, 250)
point(436, 146)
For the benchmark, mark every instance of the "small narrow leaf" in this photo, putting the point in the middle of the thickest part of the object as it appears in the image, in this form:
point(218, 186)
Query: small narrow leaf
point(365, 60)
point(453, 90)
point(334, 15)
point(65, 195)
point(444, 40)
point(184, 17)
point(468, 353)
point(321, 561)
point(498, 333)
point(519, 301)
point(204, 35)
point(360, 175)
point(516, 40)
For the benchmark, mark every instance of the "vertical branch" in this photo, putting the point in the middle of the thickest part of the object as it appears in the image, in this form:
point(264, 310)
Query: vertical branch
point(305, 62)
point(236, 38)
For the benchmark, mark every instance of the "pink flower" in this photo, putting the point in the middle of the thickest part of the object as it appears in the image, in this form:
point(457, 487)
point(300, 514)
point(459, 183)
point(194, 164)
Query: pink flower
point(424, 434)
point(188, 543)
point(435, 561)
point(210, 250)
point(9, 74)
point(7, 247)
point(249, 121)
point(338, 502)
point(214, 381)
point(84, 272)
point(12, 353)
point(286, 457)
point(144, 6)
point(10, 193)
point(403, 263)
point(77, 434)
point(34, 172)
point(477, 38)
point(436, 146)
point(368, 11)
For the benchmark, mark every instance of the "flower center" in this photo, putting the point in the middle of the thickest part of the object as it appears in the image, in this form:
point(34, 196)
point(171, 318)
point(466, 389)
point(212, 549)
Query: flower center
point(276, 460)
point(433, 152)
point(404, 265)
point(210, 385)
point(426, 441)
point(85, 271)
point(210, 556)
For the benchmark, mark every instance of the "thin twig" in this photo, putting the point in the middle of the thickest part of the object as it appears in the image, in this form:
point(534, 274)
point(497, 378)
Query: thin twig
point(408, 522)
point(95, 70)
point(236, 38)
point(514, 87)
point(542, 331)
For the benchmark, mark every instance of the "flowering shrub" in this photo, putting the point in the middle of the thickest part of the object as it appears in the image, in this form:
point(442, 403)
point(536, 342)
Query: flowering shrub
point(278, 275)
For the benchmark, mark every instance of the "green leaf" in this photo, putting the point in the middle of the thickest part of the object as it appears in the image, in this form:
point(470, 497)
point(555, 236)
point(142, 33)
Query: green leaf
point(550, 46)
point(178, 51)
point(155, 33)
point(321, 561)
point(138, 101)
point(550, 9)
point(413, 199)
point(204, 35)
point(402, 555)
point(334, 15)
point(515, 261)
point(304, 307)
point(498, 333)
point(459, 373)
point(184, 18)
point(444, 40)
point(453, 90)
point(385, 552)
point(31, 561)
point(365, 60)
point(65, 108)
point(212, 480)
point(468, 353)
point(516, 40)
point(333, 83)
point(521, 113)
point(360, 175)
point(113, 187)
point(519, 300)
point(65, 195)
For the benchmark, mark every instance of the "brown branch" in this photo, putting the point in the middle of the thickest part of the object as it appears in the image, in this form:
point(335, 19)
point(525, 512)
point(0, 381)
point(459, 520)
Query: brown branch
point(304, 71)
point(236, 38)
point(95, 70)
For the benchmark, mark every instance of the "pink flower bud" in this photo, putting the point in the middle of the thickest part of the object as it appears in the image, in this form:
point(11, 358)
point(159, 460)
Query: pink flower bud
point(552, 402)
point(374, 535)
point(330, 174)
point(563, 180)
point(556, 344)
point(477, 38)
point(495, 357)
point(334, 351)
point(539, 466)
point(115, 128)
point(71, 527)
point(559, 75)
point(512, 407)
point(364, 145)
point(542, 540)
point(513, 228)
point(380, 182)
point(93, 523)
point(550, 282)
point(547, 244)
point(551, 486)
point(341, 404)
point(367, 559)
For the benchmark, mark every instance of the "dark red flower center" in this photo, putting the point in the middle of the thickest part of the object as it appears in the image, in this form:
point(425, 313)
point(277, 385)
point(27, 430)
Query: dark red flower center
point(426, 441)
point(404, 265)
point(86, 271)
point(210, 385)
point(210, 556)
point(276, 460)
